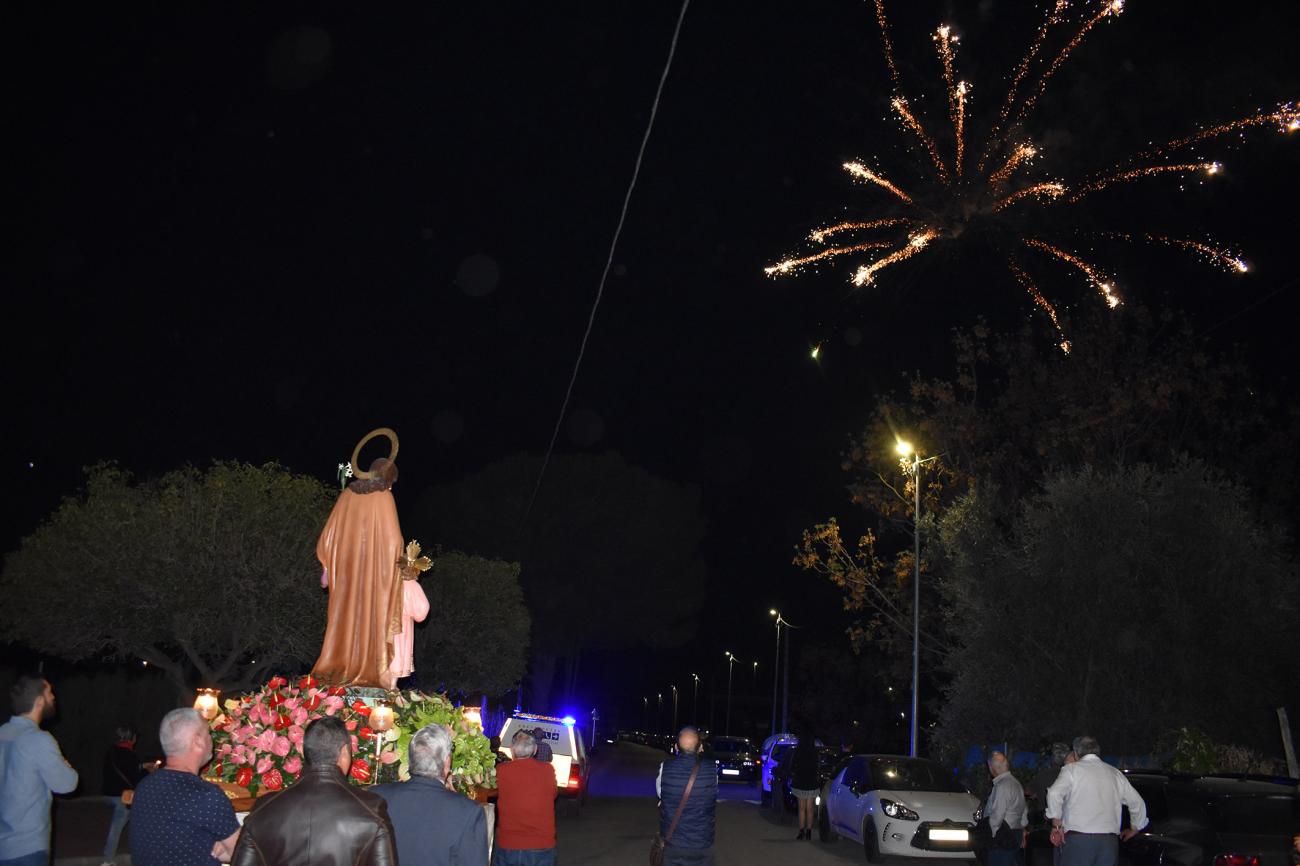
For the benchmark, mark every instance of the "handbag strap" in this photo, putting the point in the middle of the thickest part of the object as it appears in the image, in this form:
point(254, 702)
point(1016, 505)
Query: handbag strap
point(686, 795)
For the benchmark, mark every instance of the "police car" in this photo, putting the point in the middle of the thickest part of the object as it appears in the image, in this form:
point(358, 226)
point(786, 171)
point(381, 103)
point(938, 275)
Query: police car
point(568, 752)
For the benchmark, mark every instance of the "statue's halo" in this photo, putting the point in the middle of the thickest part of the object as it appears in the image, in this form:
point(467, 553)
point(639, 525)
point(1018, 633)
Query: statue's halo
point(356, 452)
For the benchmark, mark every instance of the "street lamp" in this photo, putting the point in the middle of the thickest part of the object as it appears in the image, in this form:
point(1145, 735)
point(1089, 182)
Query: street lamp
point(659, 711)
point(731, 661)
point(776, 667)
point(695, 701)
point(906, 450)
point(755, 673)
point(674, 688)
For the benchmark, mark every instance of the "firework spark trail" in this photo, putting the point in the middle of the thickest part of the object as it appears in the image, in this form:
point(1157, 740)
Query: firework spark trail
point(866, 274)
point(1019, 155)
point(820, 235)
point(1108, 8)
point(960, 123)
point(859, 170)
point(1053, 18)
point(1028, 285)
point(943, 42)
point(910, 121)
point(1051, 189)
point(1106, 288)
point(1140, 173)
point(1220, 256)
point(789, 265)
point(1286, 116)
point(883, 21)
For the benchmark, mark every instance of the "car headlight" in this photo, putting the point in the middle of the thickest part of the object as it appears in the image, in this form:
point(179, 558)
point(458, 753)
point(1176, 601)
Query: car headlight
point(898, 810)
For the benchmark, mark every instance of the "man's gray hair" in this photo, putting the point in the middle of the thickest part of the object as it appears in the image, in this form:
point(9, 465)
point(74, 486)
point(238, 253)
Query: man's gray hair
point(177, 728)
point(1086, 746)
point(998, 762)
point(429, 750)
point(1060, 751)
point(522, 745)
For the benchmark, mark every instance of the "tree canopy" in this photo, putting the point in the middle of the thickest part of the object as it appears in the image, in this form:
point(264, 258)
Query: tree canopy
point(207, 574)
point(602, 535)
point(1121, 601)
point(477, 640)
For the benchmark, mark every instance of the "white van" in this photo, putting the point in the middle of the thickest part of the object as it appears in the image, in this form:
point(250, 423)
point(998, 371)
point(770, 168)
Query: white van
point(568, 752)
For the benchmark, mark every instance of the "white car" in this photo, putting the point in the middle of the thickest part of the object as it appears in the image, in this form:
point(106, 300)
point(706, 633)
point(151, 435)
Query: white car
point(568, 751)
point(898, 806)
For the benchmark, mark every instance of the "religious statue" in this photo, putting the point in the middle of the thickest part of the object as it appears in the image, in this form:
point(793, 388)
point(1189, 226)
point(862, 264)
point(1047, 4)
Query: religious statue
point(415, 607)
point(361, 549)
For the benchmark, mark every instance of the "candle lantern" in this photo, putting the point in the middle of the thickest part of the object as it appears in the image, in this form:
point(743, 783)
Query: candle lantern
point(473, 716)
point(207, 705)
point(381, 720)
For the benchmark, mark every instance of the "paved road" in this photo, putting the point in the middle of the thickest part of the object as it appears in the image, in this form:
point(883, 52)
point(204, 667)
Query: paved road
point(619, 820)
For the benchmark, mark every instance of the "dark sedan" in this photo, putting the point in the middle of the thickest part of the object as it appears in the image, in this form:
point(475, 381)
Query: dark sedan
point(1204, 821)
point(736, 757)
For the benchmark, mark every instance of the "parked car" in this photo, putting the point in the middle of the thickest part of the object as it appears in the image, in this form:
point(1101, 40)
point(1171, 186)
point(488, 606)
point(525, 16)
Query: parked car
point(784, 802)
point(1203, 821)
point(893, 805)
point(735, 757)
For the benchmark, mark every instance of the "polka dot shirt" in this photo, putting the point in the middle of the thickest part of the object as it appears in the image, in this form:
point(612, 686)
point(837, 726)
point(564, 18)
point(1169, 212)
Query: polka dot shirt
point(176, 818)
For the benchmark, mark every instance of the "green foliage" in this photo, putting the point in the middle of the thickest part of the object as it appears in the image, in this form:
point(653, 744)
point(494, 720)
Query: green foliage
point(477, 642)
point(1191, 751)
point(1116, 602)
point(209, 575)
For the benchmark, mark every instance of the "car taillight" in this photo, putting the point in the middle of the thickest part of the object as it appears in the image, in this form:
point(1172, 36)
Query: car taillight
point(1236, 860)
point(575, 779)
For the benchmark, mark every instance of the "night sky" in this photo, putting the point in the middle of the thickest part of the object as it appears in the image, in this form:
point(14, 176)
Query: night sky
point(258, 232)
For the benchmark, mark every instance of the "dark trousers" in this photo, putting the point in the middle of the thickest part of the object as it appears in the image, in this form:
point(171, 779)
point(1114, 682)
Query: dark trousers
point(674, 856)
point(1090, 849)
point(523, 857)
point(1003, 857)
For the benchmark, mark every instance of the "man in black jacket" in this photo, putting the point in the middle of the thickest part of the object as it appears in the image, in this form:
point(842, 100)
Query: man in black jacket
point(691, 842)
point(321, 820)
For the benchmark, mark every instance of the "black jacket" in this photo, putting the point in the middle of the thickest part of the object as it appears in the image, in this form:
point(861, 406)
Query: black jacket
point(320, 821)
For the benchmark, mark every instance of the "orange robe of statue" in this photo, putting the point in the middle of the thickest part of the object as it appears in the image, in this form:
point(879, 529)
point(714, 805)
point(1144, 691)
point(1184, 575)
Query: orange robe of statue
point(359, 548)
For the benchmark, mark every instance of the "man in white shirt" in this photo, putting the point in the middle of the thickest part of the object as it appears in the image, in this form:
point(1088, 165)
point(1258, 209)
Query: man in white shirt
point(1006, 812)
point(1084, 806)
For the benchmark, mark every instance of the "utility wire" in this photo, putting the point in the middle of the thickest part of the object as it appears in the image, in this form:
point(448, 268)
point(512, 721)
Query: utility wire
point(609, 262)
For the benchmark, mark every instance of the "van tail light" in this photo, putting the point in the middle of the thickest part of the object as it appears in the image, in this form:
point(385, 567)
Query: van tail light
point(575, 780)
point(1236, 860)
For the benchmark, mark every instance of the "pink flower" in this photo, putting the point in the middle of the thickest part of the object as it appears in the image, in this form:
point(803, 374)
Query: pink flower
point(239, 755)
point(352, 726)
point(388, 757)
point(266, 740)
point(354, 743)
point(295, 733)
point(293, 765)
point(292, 704)
point(280, 747)
point(264, 765)
point(300, 716)
point(333, 704)
point(225, 749)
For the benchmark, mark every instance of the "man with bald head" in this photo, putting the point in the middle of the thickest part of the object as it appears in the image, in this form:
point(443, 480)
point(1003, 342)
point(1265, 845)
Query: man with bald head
point(690, 842)
point(1006, 813)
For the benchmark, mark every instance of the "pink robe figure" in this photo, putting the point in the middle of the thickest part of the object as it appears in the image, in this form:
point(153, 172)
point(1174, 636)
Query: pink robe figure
point(415, 607)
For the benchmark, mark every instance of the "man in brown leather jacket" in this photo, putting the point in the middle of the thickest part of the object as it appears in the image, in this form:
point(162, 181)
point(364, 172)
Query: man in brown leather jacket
point(321, 820)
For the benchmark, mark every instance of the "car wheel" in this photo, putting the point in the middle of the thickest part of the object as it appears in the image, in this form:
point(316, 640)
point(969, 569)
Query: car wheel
point(824, 831)
point(871, 843)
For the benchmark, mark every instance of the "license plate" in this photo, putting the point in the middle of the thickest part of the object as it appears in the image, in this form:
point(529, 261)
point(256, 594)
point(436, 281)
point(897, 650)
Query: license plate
point(731, 772)
point(940, 835)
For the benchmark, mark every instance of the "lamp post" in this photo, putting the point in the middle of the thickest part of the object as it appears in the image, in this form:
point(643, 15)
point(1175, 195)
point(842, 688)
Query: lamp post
point(674, 688)
point(731, 661)
point(906, 450)
point(755, 683)
point(659, 712)
point(645, 712)
point(785, 701)
point(695, 701)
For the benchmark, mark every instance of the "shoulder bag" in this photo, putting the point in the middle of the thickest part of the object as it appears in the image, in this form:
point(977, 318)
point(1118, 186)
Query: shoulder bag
point(660, 840)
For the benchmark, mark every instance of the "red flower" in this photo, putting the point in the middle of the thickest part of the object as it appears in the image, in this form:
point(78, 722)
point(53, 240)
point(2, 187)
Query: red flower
point(360, 707)
point(307, 682)
point(215, 772)
point(282, 721)
point(272, 780)
point(313, 702)
point(274, 700)
point(360, 770)
point(336, 691)
point(365, 733)
point(276, 682)
point(244, 777)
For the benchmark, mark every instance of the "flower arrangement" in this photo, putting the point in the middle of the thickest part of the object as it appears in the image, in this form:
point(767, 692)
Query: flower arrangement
point(257, 740)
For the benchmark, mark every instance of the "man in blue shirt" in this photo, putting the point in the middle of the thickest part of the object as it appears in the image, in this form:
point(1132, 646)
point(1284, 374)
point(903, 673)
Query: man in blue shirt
point(31, 768)
point(177, 819)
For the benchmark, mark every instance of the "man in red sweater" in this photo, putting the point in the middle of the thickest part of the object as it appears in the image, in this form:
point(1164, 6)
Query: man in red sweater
point(526, 792)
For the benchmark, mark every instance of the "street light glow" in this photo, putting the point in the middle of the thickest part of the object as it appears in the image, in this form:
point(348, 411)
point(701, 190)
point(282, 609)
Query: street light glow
point(903, 447)
point(772, 612)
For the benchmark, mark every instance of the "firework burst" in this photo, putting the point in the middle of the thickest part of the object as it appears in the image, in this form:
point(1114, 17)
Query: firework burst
point(996, 186)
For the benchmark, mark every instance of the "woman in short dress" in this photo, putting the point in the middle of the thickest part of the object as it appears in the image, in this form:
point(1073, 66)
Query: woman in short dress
point(805, 781)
